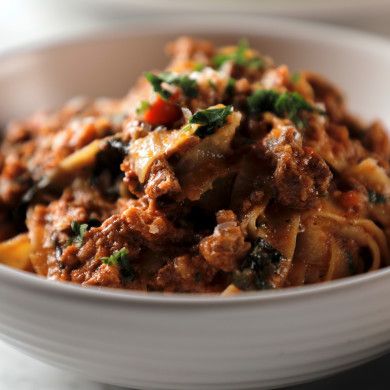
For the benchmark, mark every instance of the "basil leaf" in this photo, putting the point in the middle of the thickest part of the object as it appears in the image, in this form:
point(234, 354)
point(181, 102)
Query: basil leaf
point(187, 85)
point(156, 82)
point(210, 120)
point(285, 104)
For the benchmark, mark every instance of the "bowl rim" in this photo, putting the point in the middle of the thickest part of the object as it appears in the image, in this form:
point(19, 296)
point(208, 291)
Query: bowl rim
point(37, 283)
point(203, 24)
point(276, 26)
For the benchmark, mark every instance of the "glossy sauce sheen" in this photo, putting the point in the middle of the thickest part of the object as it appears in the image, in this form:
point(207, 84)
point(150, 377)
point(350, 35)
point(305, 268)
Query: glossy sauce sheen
point(226, 173)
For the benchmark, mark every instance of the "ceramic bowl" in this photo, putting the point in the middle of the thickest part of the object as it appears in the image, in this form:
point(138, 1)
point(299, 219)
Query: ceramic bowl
point(255, 340)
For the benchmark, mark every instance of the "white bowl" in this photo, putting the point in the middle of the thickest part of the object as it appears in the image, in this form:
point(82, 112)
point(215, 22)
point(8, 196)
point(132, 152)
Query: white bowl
point(256, 340)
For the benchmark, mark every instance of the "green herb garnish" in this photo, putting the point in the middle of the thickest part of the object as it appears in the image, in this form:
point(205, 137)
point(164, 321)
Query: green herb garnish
point(239, 57)
point(187, 85)
point(285, 104)
point(376, 197)
point(116, 257)
point(295, 77)
point(230, 86)
point(79, 230)
point(156, 82)
point(142, 108)
point(210, 120)
point(198, 66)
point(258, 267)
point(121, 259)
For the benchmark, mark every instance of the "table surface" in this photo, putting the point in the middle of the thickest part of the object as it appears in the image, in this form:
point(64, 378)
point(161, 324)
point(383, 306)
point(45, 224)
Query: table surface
point(20, 372)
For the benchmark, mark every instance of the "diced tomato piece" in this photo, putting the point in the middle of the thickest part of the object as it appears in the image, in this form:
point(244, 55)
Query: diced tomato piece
point(162, 112)
point(351, 200)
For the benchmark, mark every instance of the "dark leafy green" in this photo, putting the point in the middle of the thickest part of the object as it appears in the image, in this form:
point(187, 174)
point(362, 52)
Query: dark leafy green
point(121, 259)
point(210, 120)
point(376, 197)
point(156, 82)
point(239, 57)
point(285, 104)
point(106, 173)
point(187, 85)
point(258, 267)
point(79, 230)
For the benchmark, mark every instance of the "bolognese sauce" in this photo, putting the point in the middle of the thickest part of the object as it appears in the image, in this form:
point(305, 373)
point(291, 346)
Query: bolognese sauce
point(223, 173)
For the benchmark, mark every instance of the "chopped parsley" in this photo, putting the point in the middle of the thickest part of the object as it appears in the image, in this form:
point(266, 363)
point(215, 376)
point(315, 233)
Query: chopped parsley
point(210, 120)
point(376, 197)
point(282, 104)
point(187, 85)
point(121, 259)
point(79, 230)
point(295, 77)
point(258, 267)
point(142, 108)
point(156, 82)
point(198, 66)
point(239, 57)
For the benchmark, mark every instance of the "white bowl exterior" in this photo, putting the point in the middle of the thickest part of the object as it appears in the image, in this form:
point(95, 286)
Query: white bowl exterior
point(257, 342)
point(265, 340)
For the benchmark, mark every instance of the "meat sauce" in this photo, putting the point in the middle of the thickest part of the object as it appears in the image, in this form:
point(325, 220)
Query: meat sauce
point(224, 173)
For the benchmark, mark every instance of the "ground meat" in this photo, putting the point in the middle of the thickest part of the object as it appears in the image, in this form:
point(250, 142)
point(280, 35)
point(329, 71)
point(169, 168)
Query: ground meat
point(50, 227)
point(162, 180)
point(186, 274)
point(104, 275)
point(139, 229)
point(227, 245)
point(40, 142)
point(300, 175)
point(131, 178)
point(15, 180)
point(174, 199)
point(78, 203)
point(185, 48)
point(377, 141)
point(327, 93)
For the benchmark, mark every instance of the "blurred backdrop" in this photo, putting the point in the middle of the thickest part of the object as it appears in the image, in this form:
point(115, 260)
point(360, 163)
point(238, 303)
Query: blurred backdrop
point(29, 21)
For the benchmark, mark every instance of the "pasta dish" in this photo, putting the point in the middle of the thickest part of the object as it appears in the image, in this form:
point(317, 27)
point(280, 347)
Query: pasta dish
point(223, 173)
